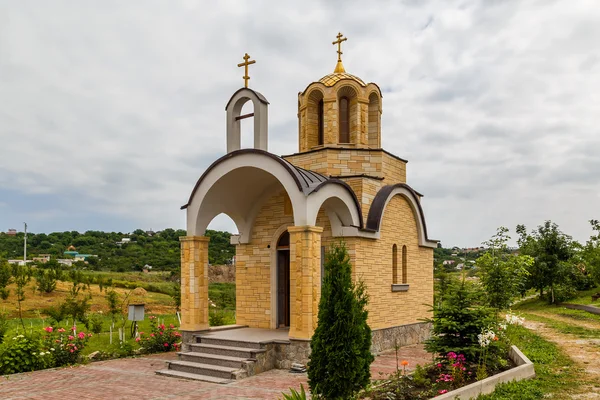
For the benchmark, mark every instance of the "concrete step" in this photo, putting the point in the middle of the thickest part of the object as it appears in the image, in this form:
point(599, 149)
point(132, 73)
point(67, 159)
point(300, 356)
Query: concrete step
point(203, 369)
point(214, 359)
point(227, 342)
point(195, 377)
point(241, 352)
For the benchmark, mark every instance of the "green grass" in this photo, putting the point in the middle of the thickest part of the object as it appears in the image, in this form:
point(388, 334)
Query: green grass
point(556, 374)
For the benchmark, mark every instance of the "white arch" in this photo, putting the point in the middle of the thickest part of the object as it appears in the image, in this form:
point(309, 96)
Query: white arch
point(339, 204)
point(235, 186)
point(234, 109)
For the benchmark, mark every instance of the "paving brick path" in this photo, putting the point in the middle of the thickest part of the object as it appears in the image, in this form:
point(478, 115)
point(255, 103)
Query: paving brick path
point(134, 378)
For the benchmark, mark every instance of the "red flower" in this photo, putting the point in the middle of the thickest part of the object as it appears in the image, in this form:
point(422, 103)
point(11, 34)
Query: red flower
point(49, 329)
point(166, 344)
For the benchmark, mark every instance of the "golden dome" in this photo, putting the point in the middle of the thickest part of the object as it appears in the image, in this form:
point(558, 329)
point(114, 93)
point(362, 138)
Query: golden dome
point(332, 79)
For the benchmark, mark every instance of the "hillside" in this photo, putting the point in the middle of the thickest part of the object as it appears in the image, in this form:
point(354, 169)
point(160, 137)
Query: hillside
point(158, 249)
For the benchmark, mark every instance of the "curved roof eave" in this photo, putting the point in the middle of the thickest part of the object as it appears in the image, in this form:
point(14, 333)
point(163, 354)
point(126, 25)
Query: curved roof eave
point(380, 201)
point(305, 180)
point(340, 182)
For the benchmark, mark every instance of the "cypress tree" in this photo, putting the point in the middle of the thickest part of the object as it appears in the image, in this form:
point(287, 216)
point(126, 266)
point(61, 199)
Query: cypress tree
point(340, 347)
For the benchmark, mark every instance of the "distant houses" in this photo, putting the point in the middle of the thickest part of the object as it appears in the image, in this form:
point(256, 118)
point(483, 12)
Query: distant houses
point(12, 232)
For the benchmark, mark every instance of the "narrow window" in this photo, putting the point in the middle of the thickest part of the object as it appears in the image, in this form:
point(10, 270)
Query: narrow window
point(321, 123)
point(344, 120)
point(404, 265)
point(394, 264)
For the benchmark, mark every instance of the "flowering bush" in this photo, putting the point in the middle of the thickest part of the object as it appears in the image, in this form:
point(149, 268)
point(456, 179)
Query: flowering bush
point(162, 338)
point(22, 354)
point(64, 346)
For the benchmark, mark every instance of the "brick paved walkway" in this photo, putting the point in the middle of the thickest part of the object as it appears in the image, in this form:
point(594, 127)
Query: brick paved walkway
point(134, 378)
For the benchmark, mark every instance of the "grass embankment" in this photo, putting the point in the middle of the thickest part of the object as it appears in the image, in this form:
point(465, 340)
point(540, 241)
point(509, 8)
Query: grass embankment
point(555, 371)
point(562, 344)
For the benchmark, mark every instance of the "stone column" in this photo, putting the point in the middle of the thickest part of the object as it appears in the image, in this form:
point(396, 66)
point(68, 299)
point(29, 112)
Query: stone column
point(194, 283)
point(305, 280)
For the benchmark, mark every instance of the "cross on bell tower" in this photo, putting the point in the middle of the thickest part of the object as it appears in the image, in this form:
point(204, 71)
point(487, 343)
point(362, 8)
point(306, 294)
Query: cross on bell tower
point(339, 68)
point(245, 65)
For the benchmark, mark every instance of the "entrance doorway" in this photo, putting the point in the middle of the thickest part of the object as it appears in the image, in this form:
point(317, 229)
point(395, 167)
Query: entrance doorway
point(283, 280)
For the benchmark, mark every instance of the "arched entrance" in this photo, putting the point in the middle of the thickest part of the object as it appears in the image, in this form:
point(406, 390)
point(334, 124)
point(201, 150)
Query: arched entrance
point(283, 280)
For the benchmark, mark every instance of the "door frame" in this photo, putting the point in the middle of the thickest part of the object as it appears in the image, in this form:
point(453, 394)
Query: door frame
point(273, 250)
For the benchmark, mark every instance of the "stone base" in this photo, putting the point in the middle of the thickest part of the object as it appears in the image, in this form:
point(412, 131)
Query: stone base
point(402, 335)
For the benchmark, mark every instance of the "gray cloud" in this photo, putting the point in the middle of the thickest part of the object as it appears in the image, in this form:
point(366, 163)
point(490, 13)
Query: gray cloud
point(120, 105)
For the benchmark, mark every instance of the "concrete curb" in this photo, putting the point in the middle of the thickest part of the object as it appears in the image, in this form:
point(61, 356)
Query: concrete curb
point(523, 370)
point(588, 308)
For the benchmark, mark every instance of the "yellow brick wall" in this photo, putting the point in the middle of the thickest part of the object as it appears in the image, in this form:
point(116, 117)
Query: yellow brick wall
point(332, 161)
point(253, 262)
point(194, 283)
point(365, 120)
point(374, 266)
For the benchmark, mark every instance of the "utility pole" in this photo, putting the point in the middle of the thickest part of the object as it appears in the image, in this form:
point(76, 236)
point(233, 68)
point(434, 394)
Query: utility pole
point(25, 245)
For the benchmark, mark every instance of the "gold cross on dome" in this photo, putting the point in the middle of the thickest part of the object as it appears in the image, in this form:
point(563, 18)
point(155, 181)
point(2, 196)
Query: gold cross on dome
point(339, 43)
point(245, 65)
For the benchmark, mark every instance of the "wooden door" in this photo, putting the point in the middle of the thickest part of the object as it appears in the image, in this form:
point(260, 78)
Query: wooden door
point(283, 288)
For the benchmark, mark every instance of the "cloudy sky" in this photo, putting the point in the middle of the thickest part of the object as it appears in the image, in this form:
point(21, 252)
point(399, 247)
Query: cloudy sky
point(111, 110)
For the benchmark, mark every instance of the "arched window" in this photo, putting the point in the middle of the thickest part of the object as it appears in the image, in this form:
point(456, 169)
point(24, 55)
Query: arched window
point(344, 120)
point(394, 264)
point(404, 265)
point(321, 122)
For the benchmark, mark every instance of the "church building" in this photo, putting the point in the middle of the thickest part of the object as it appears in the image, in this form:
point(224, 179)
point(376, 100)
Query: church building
point(340, 185)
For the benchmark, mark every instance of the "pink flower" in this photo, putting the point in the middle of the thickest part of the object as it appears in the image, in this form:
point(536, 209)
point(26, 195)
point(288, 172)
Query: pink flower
point(166, 344)
point(90, 335)
point(73, 328)
point(171, 326)
point(71, 350)
point(61, 330)
point(452, 355)
point(439, 365)
point(152, 334)
point(137, 339)
point(75, 348)
point(443, 391)
point(160, 333)
point(152, 317)
point(81, 335)
point(49, 329)
point(57, 341)
point(71, 337)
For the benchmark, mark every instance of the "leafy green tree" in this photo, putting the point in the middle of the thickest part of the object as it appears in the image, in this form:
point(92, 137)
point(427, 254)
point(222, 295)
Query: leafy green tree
point(114, 308)
point(456, 323)
point(503, 274)
point(5, 278)
point(341, 357)
point(553, 253)
point(22, 276)
point(591, 252)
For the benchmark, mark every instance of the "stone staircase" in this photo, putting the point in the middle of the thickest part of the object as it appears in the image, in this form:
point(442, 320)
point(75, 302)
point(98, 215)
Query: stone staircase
point(215, 360)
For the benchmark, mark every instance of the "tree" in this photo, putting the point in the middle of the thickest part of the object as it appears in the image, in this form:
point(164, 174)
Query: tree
point(5, 278)
point(22, 276)
point(503, 275)
point(341, 357)
point(46, 279)
point(457, 322)
point(591, 252)
point(553, 253)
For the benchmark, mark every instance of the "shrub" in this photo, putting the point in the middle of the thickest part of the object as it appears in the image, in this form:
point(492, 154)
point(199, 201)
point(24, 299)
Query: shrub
point(95, 322)
point(458, 321)
point(219, 318)
point(22, 354)
point(295, 395)
point(65, 346)
point(341, 357)
point(3, 326)
point(162, 338)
